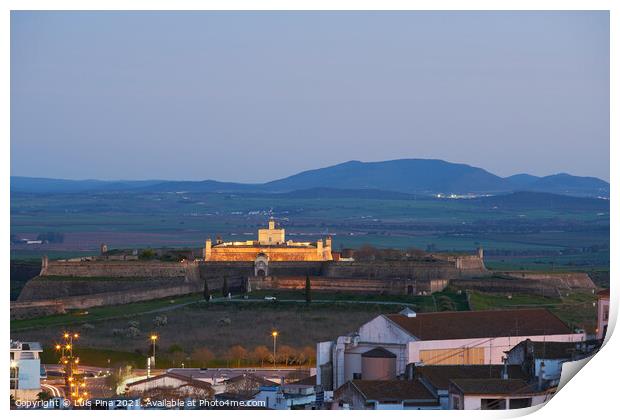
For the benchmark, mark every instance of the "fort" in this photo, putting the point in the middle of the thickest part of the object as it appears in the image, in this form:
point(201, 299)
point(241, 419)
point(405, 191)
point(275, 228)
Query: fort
point(269, 263)
point(270, 246)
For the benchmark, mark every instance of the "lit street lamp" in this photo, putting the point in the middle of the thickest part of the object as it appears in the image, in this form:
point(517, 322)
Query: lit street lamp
point(153, 340)
point(274, 334)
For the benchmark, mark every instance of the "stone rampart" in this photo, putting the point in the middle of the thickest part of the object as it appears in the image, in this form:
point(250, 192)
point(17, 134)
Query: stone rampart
point(29, 309)
point(52, 287)
point(419, 270)
point(116, 268)
point(558, 279)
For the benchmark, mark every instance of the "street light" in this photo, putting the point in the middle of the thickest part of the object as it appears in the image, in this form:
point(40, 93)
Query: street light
point(274, 334)
point(154, 338)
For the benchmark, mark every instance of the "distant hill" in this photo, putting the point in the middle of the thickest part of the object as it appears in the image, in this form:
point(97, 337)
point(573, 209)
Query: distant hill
point(527, 200)
point(327, 193)
point(407, 176)
point(421, 176)
point(54, 186)
point(571, 185)
point(521, 181)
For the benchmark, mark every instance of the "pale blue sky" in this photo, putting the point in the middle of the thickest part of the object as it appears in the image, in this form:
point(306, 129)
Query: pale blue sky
point(254, 96)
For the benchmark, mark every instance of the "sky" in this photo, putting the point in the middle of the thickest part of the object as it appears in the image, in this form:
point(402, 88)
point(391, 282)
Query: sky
point(257, 96)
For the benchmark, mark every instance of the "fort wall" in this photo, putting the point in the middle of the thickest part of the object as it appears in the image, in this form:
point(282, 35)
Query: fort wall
point(52, 287)
point(352, 285)
point(96, 268)
point(420, 270)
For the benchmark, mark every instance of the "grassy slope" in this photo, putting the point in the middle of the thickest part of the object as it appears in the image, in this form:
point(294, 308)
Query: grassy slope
point(576, 309)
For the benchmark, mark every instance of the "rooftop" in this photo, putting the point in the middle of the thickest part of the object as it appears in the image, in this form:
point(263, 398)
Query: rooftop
point(552, 349)
point(188, 380)
point(379, 352)
point(26, 345)
point(603, 293)
point(309, 380)
point(439, 376)
point(494, 386)
point(394, 390)
point(250, 377)
point(480, 324)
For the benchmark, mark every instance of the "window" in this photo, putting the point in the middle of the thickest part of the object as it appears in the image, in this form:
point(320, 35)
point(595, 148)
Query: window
point(520, 403)
point(493, 404)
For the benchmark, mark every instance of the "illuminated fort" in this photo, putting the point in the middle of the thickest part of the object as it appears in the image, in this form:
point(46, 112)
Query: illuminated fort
point(270, 246)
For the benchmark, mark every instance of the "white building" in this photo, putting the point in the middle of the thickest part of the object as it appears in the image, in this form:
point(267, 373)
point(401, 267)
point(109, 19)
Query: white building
point(454, 338)
point(25, 376)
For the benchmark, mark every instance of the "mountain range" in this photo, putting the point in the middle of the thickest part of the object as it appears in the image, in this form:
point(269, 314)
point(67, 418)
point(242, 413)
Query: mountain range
point(425, 177)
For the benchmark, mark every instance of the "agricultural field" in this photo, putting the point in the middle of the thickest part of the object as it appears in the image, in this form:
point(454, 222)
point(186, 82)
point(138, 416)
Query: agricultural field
point(183, 219)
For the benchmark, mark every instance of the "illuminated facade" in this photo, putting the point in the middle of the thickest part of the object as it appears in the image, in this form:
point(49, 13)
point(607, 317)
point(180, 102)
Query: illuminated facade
point(270, 246)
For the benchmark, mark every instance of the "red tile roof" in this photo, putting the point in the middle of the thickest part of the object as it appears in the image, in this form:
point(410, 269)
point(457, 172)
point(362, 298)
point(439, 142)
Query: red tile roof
point(481, 324)
point(603, 293)
point(439, 376)
point(395, 390)
point(494, 386)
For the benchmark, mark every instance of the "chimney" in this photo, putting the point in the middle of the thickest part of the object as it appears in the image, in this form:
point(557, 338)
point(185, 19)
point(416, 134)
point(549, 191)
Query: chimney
point(410, 371)
point(541, 373)
point(505, 368)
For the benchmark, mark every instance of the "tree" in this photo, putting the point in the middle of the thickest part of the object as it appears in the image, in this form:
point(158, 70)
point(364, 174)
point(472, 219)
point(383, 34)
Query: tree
point(147, 254)
point(444, 303)
point(205, 292)
point(366, 253)
point(308, 290)
point(174, 347)
point(178, 356)
point(44, 396)
point(286, 354)
point(237, 353)
point(118, 376)
point(225, 287)
point(203, 356)
point(308, 354)
point(261, 354)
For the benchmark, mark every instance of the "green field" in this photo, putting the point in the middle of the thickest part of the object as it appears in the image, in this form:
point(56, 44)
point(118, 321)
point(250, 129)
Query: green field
point(576, 309)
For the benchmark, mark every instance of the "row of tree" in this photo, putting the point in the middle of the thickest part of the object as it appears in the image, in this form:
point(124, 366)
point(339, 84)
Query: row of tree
point(238, 355)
